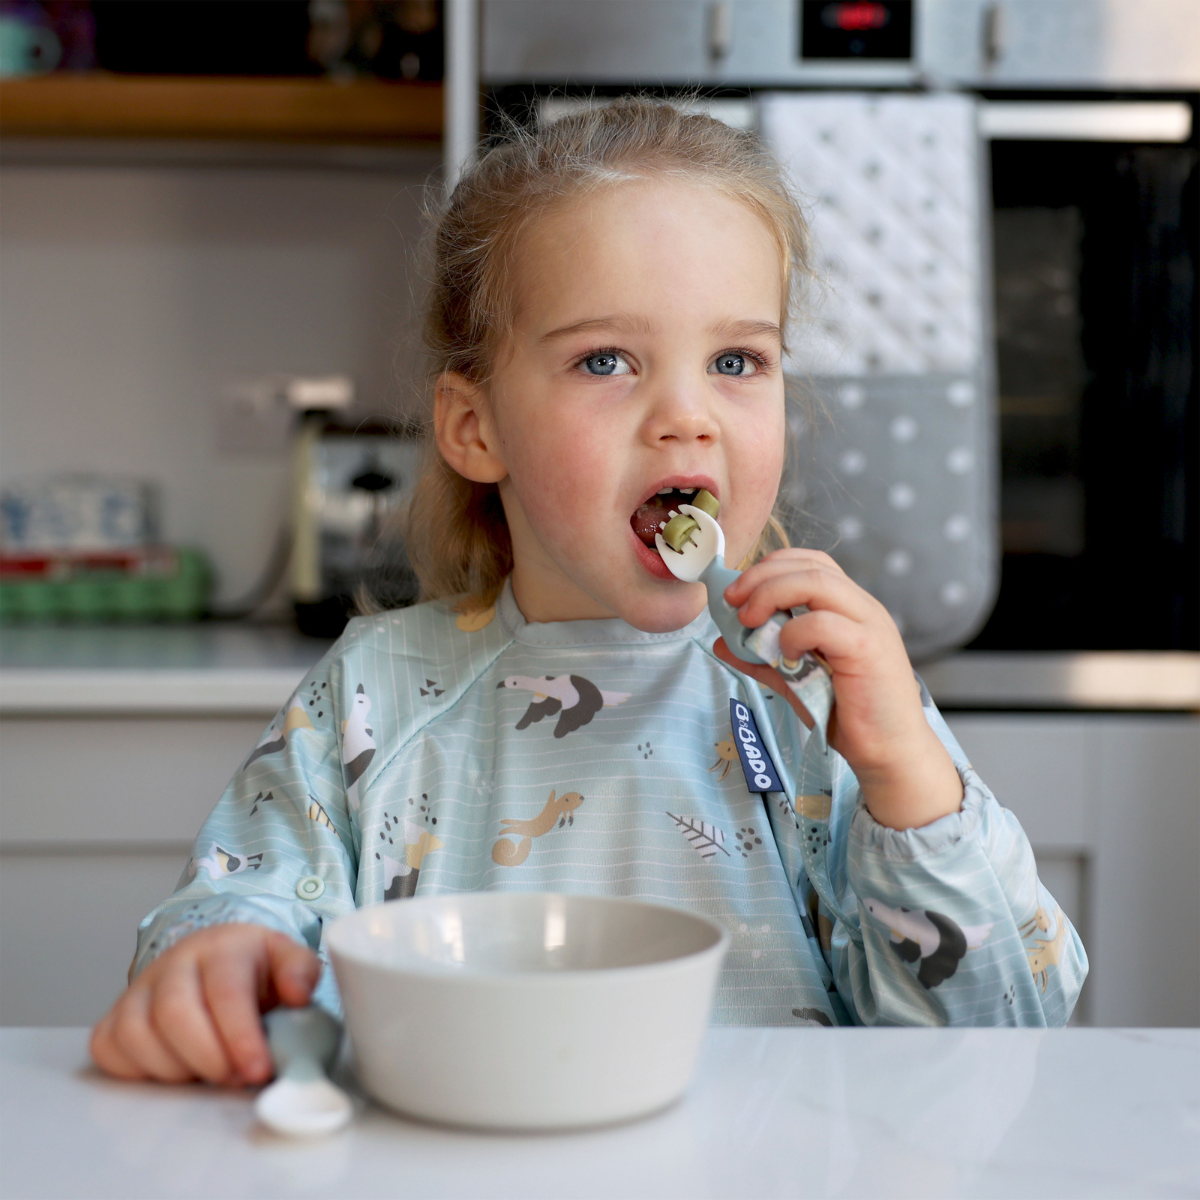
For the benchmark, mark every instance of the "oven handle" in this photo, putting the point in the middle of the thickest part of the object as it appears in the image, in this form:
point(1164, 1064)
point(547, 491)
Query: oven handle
point(1086, 121)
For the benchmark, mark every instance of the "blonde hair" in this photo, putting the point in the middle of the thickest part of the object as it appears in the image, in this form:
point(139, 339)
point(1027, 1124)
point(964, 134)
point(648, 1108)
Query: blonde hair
point(458, 539)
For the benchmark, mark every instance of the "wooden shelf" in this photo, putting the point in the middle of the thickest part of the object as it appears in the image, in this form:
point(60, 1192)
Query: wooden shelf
point(285, 110)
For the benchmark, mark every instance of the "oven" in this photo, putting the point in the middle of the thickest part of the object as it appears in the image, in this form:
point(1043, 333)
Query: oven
point(1056, 507)
point(1094, 253)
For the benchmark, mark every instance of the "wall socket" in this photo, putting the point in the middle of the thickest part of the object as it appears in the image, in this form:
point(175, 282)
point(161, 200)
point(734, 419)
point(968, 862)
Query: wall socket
point(257, 415)
point(254, 416)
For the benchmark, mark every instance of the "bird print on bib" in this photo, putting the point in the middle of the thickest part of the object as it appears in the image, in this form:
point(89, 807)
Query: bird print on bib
point(219, 863)
point(295, 716)
point(400, 875)
point(575, 699)
point(930, 937)
point(358, 746)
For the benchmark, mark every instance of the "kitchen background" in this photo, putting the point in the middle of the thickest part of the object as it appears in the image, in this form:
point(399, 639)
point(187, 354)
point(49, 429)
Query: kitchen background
point(209, 227)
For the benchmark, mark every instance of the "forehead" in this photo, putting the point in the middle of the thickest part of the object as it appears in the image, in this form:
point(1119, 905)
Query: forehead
point(675, 251)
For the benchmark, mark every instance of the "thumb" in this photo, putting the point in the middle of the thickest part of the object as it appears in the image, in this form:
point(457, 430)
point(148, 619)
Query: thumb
point(767, 676)
point(293, 969)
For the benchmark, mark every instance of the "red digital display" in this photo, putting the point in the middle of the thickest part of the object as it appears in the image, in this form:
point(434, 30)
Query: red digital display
point(865, 29)
point(855, 16)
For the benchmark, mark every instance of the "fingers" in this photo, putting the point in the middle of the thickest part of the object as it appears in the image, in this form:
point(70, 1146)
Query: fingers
point(784, 587)
point(234, 986)
point(767, 676)
point(839, 639)
point(294, 969)
point(779, 562)
point(194, 1012)
point(108, 1056)
point(137, 1042)
point(230, 998)
point(183, 1021)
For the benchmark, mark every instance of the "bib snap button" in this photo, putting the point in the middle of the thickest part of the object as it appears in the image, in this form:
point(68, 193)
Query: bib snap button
point(310, 887)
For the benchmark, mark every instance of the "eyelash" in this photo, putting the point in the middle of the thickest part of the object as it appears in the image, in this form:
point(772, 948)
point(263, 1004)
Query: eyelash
point(761, 361)
point(581, 359)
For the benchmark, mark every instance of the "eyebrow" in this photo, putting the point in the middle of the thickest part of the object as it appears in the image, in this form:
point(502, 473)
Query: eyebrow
point(622, 321)
point(636, 324)
point(749, 329)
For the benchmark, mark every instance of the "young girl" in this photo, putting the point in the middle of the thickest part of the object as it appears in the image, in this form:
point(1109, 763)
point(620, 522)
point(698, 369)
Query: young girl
point(606, 322)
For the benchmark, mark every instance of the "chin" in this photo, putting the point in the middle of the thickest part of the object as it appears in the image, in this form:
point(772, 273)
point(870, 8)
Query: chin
point(664, 613)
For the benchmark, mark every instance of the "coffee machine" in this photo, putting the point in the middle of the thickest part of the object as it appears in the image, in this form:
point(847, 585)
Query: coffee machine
point(350, 492)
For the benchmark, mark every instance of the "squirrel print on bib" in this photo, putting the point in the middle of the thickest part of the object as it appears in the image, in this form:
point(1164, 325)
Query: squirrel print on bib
point(1045, 953)
point(559, 810)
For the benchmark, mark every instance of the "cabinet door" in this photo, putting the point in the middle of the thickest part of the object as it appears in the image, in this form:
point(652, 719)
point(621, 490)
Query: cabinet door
point(116, 781)
point(1111, 804)
point(99, 815)
point(1145, 771)
point(68, 929)
point(1037, 766)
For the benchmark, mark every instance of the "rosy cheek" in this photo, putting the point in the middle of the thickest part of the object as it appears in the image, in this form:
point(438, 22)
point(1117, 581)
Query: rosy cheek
point(548, 495)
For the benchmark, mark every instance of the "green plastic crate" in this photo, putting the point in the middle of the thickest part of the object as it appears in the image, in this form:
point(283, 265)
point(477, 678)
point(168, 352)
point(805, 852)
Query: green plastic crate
point(111, 595)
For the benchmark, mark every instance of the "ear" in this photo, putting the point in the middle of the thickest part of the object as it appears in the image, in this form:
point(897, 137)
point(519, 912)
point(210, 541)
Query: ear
point(465, 432)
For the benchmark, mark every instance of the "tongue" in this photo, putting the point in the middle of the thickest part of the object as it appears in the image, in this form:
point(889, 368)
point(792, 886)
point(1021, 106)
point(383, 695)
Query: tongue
point(651, 516)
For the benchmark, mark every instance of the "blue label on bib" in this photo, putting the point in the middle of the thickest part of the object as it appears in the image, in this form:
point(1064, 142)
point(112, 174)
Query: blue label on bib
point(757, 766)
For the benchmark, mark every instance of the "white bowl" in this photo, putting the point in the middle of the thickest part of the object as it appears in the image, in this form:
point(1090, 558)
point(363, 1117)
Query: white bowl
point(526, 1010)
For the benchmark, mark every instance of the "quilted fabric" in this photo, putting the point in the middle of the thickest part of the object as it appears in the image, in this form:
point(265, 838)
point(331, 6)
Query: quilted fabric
point(892, 189)
point(892, 344)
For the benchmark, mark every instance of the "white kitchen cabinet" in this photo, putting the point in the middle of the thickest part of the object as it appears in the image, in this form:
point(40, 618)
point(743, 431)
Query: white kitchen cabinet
point(68, 928)
point(1111, 803)
point(99, 815)
point(114, 782)
point(114, 746)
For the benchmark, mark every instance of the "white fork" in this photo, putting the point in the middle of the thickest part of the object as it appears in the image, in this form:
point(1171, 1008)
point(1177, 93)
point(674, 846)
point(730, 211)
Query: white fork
point(702, 560)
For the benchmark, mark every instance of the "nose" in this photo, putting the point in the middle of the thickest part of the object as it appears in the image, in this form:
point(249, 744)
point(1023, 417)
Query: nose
point(680, 413)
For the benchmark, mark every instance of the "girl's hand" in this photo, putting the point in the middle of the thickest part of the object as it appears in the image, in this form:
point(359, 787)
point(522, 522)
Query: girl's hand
point(194, 1013)
point(878, 726)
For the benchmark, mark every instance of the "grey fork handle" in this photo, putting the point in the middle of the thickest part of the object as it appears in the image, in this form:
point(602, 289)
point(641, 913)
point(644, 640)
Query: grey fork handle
point(304, 1041)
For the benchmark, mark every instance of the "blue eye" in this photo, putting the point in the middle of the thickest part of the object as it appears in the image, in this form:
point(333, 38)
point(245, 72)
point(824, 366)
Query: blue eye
point(607, 362)
point(734, 364)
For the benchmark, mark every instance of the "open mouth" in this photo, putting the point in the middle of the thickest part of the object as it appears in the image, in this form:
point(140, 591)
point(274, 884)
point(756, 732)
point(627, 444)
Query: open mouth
point(654, 514)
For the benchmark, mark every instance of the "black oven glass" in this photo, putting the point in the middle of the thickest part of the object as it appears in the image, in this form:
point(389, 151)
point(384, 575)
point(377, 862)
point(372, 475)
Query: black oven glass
point(1095, 315)
point(856, 29)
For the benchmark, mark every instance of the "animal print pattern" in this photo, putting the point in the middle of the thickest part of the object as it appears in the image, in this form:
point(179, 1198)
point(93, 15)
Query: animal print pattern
point(437, 752)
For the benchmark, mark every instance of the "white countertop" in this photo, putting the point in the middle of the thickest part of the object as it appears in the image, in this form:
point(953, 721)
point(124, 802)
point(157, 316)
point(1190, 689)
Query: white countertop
point(236, 669)
point(231, 669)
point(773, 1112)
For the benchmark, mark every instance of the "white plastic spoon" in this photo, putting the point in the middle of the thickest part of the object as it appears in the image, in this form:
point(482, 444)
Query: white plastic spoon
point(302, 1102)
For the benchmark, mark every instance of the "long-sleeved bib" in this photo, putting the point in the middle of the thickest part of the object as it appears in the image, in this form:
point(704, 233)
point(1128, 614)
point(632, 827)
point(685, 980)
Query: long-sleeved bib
point(436, 752)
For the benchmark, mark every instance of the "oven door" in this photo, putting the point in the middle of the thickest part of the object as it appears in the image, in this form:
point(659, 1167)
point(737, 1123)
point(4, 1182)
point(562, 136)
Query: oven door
point(1095, 249)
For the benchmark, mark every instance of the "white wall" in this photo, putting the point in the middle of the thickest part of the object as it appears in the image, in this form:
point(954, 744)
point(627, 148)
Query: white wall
point(130, 294)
